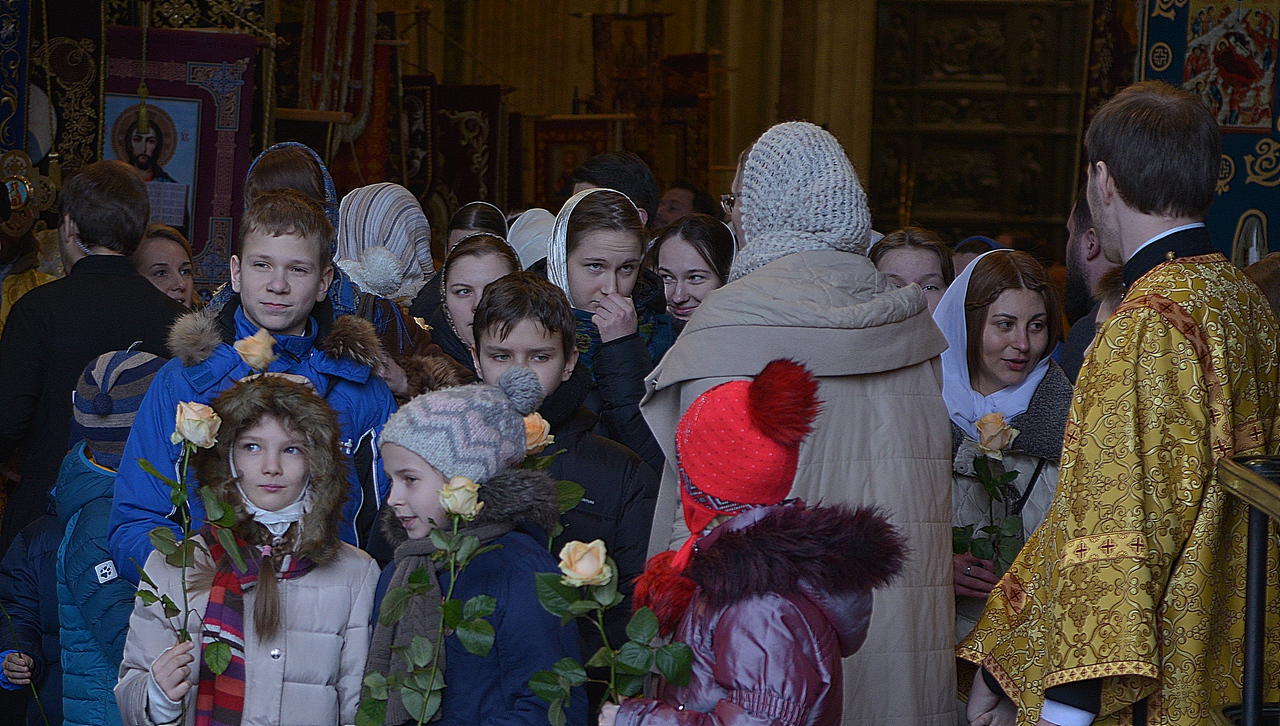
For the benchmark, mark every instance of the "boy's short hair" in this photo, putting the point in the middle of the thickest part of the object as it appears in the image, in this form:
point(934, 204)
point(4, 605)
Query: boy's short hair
point(525, 296)
point(288, 167)
point(624, 171)
point(277, 212)
point(108, 202)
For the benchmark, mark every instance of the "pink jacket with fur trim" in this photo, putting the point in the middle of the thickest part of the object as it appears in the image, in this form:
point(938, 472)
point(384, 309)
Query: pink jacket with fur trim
point(783, 594)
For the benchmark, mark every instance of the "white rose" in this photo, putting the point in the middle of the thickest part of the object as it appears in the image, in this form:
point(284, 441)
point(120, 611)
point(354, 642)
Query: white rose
point(585, 564)
point(196, 424)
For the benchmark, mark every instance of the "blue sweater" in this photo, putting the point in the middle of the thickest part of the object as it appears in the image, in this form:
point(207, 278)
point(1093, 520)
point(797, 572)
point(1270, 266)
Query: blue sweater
point(28, 593)
point(494, 690)
point(94, 602)
point(362, 401)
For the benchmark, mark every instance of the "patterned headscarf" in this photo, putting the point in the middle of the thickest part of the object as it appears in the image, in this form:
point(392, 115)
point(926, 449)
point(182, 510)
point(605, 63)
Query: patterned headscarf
point(384, 240)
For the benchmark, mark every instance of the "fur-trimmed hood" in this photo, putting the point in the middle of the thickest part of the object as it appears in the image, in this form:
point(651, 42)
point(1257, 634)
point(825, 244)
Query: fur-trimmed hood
point(513, 497)
point(242, 406)
point(195, 336)
point(834, 556)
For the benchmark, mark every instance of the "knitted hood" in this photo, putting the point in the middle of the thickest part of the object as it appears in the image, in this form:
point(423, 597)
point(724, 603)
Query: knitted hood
point(798, 191)
point(243, 405)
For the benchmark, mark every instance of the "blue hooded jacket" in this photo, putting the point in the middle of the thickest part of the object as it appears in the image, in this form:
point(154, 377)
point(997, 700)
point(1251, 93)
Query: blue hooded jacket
point(94, 602)
point(340, 367)
point(28, 594)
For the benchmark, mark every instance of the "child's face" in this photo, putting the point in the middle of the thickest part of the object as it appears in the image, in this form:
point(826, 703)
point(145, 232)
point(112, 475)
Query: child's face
point(279, 280)
point(529, 345)
point(415, 490)
point(271, 462)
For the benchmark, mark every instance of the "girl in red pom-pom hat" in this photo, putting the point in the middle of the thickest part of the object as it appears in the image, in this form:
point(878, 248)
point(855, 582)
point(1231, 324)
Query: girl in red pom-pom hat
point(768, 593)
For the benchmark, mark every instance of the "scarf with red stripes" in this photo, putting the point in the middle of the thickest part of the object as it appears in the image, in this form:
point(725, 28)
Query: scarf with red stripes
point(220, 697)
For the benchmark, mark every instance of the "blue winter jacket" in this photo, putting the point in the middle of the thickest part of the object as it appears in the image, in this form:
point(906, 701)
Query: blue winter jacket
point(94, 602)
point(494, 690)
point(141, 503)
point(29, 596)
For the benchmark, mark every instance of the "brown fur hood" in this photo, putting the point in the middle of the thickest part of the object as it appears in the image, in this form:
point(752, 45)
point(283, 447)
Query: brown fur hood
point(514, 497)
point(195, 337)
point(243, 405)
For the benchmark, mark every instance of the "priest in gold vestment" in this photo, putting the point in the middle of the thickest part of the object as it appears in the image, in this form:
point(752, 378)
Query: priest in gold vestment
point(1126, 605)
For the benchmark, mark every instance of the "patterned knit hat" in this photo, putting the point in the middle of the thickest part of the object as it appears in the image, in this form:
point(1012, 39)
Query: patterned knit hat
point(738, 444)
point(475, 431)
point(106, 399)
point(798, 192)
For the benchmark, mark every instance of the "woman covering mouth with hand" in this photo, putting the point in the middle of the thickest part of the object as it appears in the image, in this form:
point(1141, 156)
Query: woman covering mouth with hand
point(1002, 319)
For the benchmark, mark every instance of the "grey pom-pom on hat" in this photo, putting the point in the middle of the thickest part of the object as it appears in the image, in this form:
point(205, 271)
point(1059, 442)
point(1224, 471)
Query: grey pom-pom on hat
point(475, 431)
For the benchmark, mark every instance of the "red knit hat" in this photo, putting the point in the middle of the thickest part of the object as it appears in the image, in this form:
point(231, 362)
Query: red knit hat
point(737, 445)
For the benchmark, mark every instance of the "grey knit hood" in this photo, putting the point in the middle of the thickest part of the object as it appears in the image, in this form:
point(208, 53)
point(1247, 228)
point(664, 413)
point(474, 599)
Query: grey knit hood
point(799, 192)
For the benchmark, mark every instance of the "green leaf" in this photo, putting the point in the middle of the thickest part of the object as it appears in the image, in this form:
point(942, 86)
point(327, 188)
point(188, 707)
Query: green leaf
point(147, 467)
point(419, 582)
point(570, 670)
point(555, 713)
point(982, 467)
point(1011, 526)
point(479, 607)
point(377, 685)
point(568, 494)
point(467, 548)
point(372, 712)
point(214, 509)
point(554, 595)
point(630, 685)
point(602, 658)
point(142, 574)
point(603, 594)
point(164, 540)
point(184, 556)
point(634, 658)
point(420, 652)
point(415, 704)
point(961, 537)
point(643, 627)
point(441, 541)
point(546, 685)
point(1006, 478)
point(217, 655)
point(228, 541)
point(539, 463)
point(984, 549)
point(170, 608)
point(451, 611)
point(476, 636)
point(993, 490)
point(147, 597)
point(674, 662)
point(582, 607)
point(393, 605)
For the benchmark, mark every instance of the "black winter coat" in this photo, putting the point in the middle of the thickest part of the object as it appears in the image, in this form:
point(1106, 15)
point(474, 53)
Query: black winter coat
point(51, 335)
point(29, 596)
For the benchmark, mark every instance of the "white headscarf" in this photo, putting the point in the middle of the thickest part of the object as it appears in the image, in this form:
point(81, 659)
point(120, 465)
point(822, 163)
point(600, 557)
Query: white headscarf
point(531, 234)
point(384, 240)
point(965, 405)
point(557, 250)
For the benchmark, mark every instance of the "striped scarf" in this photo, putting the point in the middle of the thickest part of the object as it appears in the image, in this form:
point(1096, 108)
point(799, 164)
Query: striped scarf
point(220, 697)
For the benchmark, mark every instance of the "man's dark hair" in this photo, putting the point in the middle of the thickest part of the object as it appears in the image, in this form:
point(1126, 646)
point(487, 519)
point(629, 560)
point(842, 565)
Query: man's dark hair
point(702, 201)
point(1081, 215)
point(524, 296)
point(624, 172)
point(287, 167)
point(108, 202)
point(1162, 148)
point(154, 161)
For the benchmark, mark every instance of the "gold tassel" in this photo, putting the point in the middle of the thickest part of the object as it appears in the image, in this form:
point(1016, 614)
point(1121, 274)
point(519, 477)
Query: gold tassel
point(143, 125)
point(55, 170)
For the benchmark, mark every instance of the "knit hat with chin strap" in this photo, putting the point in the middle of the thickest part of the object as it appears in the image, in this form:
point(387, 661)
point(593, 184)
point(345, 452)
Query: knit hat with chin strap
point(738, 444)
point(797, 192)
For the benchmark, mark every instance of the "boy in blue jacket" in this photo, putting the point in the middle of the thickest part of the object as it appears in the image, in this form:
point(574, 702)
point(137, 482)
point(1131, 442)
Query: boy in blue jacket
point(281, 276)
point(29, 638)
point(94, 602)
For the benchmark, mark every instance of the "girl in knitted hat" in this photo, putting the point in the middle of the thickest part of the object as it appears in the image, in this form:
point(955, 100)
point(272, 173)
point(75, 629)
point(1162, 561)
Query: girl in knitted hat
point(296, 620)
point(440, 446)
point(769, 594)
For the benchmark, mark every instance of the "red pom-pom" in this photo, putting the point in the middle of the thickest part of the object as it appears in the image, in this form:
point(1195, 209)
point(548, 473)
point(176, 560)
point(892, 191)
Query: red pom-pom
point(782, 402)
point(665, 591)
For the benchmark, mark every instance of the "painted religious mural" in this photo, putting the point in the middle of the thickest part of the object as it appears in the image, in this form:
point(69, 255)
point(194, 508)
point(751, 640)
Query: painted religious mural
point(1225, 52)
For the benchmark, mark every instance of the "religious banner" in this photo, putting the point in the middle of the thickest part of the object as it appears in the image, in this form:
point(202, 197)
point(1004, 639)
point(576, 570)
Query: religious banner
point(15, 27)
point(63, 101)
point(560, 144)
point(1225, 53)
point(194, 149)
point(470, 143)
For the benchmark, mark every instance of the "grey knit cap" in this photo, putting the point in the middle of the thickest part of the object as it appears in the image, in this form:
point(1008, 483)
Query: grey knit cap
point(475, 431)
point(798, 192)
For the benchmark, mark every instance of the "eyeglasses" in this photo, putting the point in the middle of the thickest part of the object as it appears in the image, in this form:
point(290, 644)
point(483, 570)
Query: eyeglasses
point(727, 201)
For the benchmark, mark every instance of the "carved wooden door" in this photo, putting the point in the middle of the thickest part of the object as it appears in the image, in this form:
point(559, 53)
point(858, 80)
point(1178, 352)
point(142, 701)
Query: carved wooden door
point(977, 115)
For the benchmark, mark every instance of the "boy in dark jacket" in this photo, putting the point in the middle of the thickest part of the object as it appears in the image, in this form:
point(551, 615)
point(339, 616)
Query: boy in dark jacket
point(94, 602)
point(29, 645)
point(277, 325)
point(523, 320)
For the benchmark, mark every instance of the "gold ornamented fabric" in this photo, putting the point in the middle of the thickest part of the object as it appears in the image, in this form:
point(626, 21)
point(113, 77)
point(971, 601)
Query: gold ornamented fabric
point(1137, 575)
